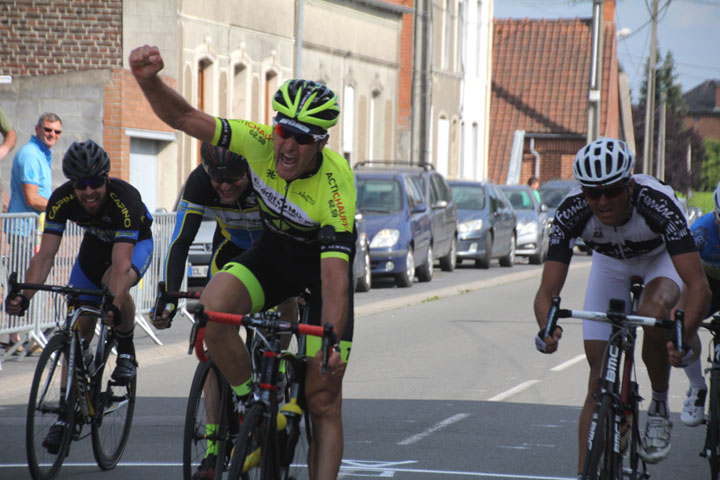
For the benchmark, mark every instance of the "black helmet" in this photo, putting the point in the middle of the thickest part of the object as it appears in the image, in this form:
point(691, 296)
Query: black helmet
point(85, 160)
point(220, 163)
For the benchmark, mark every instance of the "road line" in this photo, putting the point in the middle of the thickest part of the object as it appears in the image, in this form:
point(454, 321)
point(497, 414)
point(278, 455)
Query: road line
point(435, 428)
point(513, 391)
point(568, 364)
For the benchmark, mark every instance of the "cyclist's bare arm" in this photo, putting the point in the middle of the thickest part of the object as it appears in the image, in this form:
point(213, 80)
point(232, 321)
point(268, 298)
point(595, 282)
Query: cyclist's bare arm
point(334, 272)
point(698, 291)
point(39, 269)
point(145, 64)
point(553, 279)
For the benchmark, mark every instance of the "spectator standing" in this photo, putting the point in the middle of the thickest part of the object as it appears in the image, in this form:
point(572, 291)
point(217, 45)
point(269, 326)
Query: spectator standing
point(9, 140)
point(30, 189)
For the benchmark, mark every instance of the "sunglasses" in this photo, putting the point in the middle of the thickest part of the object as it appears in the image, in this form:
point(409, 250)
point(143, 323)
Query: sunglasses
point(92, 182)
point(48, 130)
point(596, 193)
point(300, 138)
point(222, 180)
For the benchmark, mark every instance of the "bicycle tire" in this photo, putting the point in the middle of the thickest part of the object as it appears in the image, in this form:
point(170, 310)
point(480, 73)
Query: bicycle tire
point(295, 437)
point(713, 425)
point(44, 406)
point(215, 394)
point(255, 453)
point(600, 460)
point(114, 411)
point(634, 459)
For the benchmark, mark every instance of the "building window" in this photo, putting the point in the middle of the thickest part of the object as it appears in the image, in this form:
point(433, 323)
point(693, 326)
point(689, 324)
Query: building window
point(348, 130)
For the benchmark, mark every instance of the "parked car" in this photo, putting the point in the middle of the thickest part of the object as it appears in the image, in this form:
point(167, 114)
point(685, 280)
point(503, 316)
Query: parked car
point(533, 224)
point(486, 223)
point(552, 193)
point(438, 197)
point(361, 265)
point(398, 224)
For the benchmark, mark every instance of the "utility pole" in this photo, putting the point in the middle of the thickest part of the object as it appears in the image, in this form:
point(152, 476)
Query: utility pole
point(660, 175)
point(595, 72)
point(650, 101)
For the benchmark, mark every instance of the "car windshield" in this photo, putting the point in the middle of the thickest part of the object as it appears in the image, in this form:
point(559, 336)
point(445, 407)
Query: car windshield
point(520, 199)
point(379, 195)
point(469, 197)
point(552, 196)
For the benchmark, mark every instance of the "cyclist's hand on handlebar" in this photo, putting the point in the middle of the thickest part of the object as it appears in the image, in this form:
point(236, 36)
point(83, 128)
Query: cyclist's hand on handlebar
point(548, 344)
point(681, 359)
point(17, 305)
point(335, 367)
point(112, 316)
point(162, 314)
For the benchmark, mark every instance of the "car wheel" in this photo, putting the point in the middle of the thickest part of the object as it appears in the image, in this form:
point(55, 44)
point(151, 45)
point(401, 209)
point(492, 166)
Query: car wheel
point(365, 281)
point(447, 263)
point(485, 261)
point(509, 259)
point(405, 278)
point(424, 272)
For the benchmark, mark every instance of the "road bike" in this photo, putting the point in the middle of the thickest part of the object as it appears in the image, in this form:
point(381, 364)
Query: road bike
point(615, 428)
point(711, 449)
point(73, 383)
point(272, 442)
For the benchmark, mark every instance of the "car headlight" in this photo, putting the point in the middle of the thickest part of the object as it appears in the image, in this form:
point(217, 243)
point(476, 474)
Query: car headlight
point(470, 226)
point(385, 238)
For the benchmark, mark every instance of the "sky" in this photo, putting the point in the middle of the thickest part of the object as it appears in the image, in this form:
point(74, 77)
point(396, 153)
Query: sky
point(690, 29)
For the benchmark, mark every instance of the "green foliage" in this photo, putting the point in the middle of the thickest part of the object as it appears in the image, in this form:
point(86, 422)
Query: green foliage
point(711, 164)
point(703, 200)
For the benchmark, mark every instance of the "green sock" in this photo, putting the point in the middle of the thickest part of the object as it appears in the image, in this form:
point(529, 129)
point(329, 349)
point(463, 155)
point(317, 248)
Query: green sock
point(212, 446)
point(243, 389)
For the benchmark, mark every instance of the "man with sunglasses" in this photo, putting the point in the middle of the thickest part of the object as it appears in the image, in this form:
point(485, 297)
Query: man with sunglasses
point(635, 226)
point(306, 194)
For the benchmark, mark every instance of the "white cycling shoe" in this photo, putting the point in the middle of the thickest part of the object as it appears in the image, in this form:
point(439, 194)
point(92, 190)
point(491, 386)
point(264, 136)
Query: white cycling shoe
point(693, 412)
point(655, 444)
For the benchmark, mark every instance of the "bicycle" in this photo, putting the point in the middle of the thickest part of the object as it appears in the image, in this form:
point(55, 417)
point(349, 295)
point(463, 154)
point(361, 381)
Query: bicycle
point(72, 382)
point(711, 449)
point(272, 442)
point(617, 404)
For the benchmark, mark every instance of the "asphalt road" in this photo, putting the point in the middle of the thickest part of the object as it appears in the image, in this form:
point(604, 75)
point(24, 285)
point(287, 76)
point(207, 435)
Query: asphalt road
point(444, 382)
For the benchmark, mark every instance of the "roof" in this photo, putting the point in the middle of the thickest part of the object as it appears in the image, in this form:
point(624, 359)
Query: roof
point(703, 98)
point(540, 81)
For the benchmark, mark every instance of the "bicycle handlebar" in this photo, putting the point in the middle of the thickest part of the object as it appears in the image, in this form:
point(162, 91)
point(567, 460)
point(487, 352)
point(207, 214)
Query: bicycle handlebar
point(15, 287)
point(617, 317)
point(169, 297)
point(202, 316)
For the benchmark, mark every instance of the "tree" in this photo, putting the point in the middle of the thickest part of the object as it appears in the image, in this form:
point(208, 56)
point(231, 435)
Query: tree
point(711, 165)
point(677, 137)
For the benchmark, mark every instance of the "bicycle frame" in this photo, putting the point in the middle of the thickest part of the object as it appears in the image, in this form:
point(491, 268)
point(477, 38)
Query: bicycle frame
point(711, 448)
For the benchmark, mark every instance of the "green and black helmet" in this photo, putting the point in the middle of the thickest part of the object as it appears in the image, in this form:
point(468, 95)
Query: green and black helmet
point(311, 103)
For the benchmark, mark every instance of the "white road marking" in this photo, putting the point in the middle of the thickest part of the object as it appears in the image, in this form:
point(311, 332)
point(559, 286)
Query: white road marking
point(568, 363)
point(513, 391)
point(435, 428)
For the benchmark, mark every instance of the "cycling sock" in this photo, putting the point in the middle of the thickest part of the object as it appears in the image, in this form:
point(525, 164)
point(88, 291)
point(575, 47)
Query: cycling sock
point(695, 375)
point(281, 369)
point(243, 389)
point(212, 445)
point(125, 341)
point(658, 405)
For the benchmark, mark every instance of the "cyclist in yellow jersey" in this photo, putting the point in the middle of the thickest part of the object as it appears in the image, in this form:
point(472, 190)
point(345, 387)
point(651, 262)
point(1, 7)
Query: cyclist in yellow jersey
point(306, 195)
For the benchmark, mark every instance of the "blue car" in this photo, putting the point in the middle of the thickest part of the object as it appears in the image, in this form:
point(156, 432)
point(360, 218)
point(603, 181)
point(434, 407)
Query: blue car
point(398, 224)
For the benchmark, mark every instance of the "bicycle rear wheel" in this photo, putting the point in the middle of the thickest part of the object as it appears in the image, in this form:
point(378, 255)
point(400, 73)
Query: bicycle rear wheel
point(635, 471)
point(45, 404)
point(712, 447)
point(209, 421)
point(294, 439)
point(114, 410)
point(601, 461)
point(255, 454)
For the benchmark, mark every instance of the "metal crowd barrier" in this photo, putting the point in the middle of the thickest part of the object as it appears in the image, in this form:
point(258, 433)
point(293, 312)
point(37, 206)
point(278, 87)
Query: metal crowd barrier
point(16, 250)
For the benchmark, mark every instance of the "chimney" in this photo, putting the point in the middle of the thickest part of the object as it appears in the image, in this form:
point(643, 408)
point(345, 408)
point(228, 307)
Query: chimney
point(609, 11)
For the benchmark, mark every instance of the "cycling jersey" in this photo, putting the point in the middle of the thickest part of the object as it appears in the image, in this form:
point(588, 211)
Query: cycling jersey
point(295, 211)
point(123, 217)
point(656, 224)
point(707, 236)
point(238, 225)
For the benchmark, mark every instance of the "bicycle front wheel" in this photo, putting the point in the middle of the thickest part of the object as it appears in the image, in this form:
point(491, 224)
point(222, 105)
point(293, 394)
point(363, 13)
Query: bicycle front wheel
point(255, 456)
point(712, 447)
point(601, 460)
point(114, 407)
point(47, 402)
point(209, 421)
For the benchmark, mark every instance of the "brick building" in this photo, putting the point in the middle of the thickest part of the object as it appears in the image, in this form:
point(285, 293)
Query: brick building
point(703, 104)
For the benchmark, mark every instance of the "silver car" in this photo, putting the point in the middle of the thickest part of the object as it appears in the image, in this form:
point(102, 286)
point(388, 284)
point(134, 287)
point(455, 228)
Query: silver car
point(533, 223)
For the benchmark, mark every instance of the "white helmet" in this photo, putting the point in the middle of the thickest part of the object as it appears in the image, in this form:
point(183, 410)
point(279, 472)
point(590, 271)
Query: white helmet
point(603, 162)
point(716, 199)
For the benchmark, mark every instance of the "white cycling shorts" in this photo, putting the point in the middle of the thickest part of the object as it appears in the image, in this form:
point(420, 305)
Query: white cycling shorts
point(610, 278)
